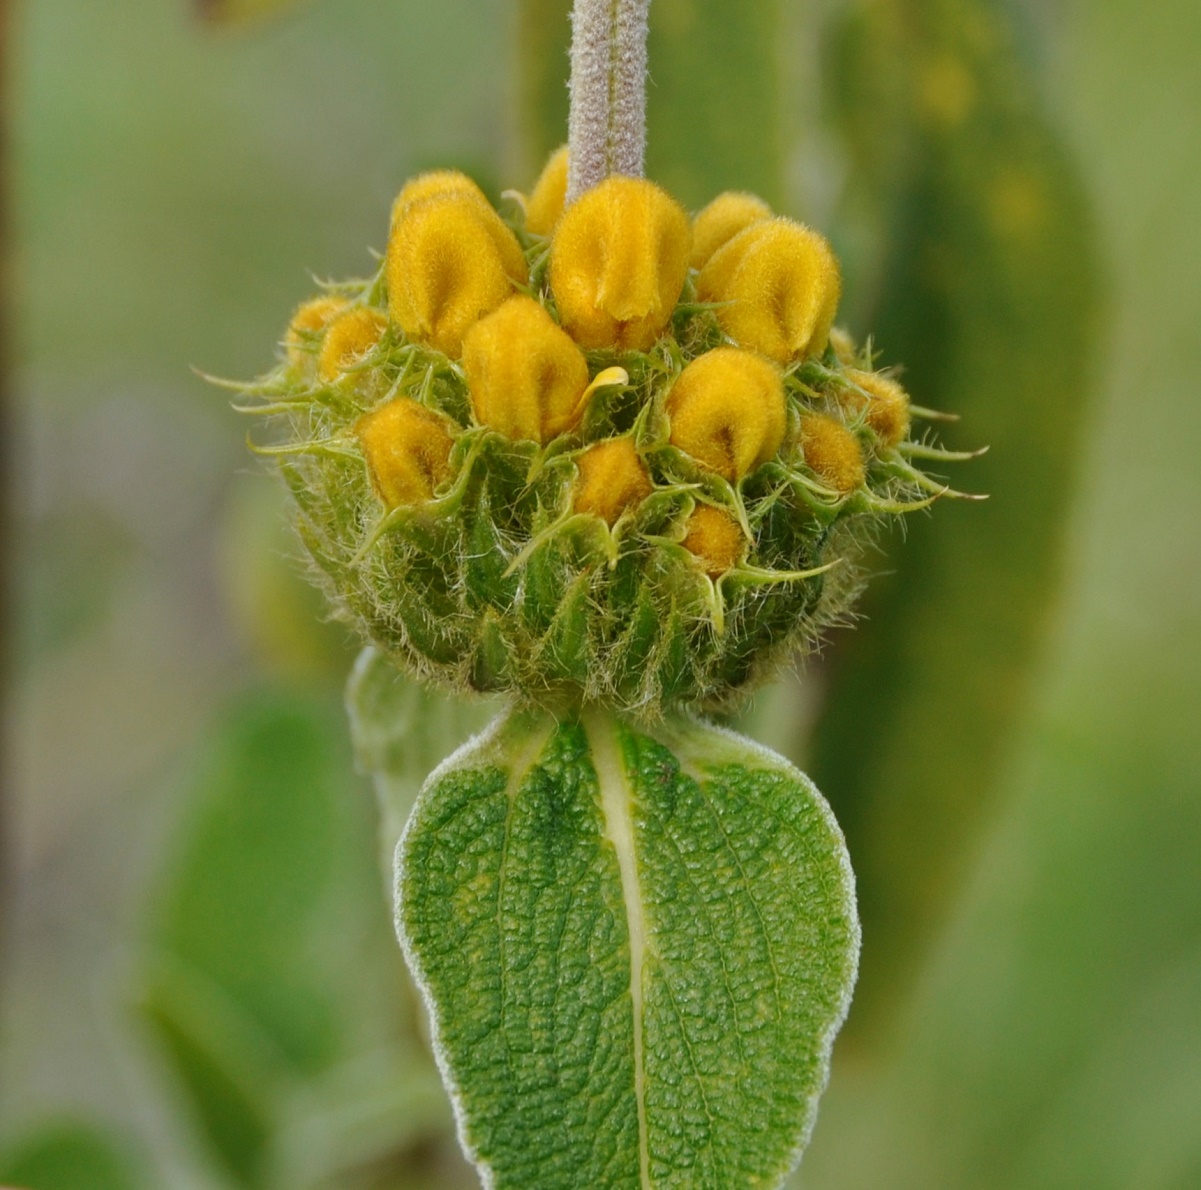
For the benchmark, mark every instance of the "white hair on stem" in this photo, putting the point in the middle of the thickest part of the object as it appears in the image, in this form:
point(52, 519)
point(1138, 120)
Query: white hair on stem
point(607, 123)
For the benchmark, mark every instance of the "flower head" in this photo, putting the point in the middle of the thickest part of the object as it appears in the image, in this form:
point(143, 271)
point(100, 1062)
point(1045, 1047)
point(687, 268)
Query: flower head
point(722, 220)
point(348, 339)
point(612, 479)
point(545, 203)
point(715, 538)
point(887, 404)
point(407, 448)
point(832, 452)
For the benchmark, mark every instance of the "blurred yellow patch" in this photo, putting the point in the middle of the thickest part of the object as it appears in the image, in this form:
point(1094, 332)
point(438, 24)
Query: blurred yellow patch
point(526, 377)
point(348, 339)
point(887, 404)
point(844, 346)
point(618, 261)
point(545, 203)
point(727, 411)
point(450, 261)
point(1018, 203)
point(832, 452)
point(716, 539)
point(946, 91)
point(435, 184)
point(310, 318)
point(782, 285)
point(612, 479)
point(407, 448)
point(722, 220)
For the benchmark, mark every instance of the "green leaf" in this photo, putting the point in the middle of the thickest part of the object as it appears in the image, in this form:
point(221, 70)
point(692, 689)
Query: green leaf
point(636, 946)
point(68, 1156)
point(989, 300)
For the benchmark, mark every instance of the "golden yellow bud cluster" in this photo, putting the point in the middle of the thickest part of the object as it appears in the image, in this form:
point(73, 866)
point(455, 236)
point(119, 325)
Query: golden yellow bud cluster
point(588, 426)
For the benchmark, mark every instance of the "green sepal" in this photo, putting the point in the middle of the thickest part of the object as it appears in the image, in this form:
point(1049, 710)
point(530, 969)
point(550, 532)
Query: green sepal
point(636, 946)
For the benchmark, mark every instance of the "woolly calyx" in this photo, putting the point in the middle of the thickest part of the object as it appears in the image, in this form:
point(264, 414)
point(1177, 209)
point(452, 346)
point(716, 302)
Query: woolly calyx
point(722, 220)
point(612, 480)
point(780, 283)
point(348, 340)
point(618, 261)
point(727, 411)
point(406, 448)
point(546, 200)
point(715, 539)
point(602, 502)
point(525, 375)
point(450, 261)
point(309, 319)
point(886, 402)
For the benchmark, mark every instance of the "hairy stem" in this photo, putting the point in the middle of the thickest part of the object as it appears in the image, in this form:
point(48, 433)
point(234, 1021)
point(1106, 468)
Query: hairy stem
point(607, 124)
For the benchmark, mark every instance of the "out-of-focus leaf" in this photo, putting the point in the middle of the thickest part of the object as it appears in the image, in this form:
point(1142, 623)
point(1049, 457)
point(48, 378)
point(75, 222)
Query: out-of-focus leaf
point(988, 297)
point(714, 117)
point(68, 1156)
point(245, 953)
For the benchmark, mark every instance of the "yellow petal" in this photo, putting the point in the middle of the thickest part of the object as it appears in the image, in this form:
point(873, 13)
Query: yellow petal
point(612, 479)
point(722, 220)
point(782, 284)
point(407, 448)
point(844, 346)
point(727, 411)
point(716, 539)
point(525, 375)
point(618, 261)
point(450, 261)
point(832, 452)
point(887, 404)
point(349, 338)
point(545, 203)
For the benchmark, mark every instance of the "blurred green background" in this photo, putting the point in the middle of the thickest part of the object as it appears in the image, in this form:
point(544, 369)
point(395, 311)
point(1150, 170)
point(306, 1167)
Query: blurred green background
point(200, 987)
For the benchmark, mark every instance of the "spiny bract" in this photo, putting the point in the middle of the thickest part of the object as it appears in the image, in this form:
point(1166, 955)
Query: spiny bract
point(608, 453)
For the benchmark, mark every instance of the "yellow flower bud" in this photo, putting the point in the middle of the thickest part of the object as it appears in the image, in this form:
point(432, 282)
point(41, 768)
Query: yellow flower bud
point(844, 346)
point(407, 448)
point(434, 184)
point(832, 452)
point(727, 411)
point(545, 204)
point(310, 318)
point(716, 539)
point(782, 283)
point(348, 339)
point(612, 479)
point(450, 261)
point(722, 220)
point(525, 375)
point(618, 262)
point(887, 404)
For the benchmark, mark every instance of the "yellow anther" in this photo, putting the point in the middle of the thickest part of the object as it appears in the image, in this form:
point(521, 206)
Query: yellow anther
point(716, 539)
point(310, 318)
point(887, 404)
point(526, 377)
point(722, 220)
point(618, 261)
point(782, 283)
point(545, 203)
point(727, 411)
point(435, 184)
point(450, 261)
point(348, 339)
point(612, 479)
point(844, 346)
point(407, 448)
point(832, 452)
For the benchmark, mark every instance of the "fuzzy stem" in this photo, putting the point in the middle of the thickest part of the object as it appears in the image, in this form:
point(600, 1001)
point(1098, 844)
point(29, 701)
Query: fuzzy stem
point(607, 124)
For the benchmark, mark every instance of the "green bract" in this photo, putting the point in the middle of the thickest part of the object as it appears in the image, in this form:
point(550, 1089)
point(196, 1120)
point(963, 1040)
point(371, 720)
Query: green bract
point(636, 945)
